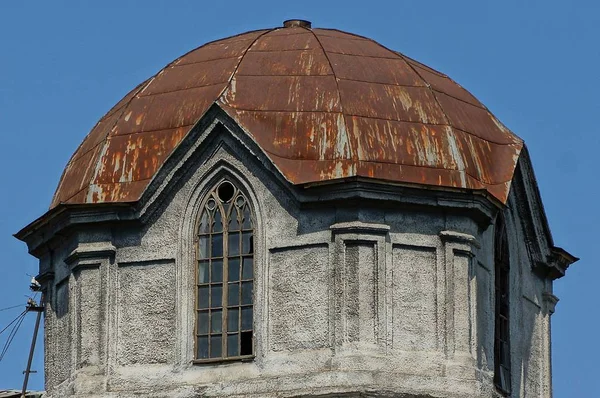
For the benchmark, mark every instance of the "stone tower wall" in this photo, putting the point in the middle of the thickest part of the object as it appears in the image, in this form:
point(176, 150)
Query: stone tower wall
point(350, 297)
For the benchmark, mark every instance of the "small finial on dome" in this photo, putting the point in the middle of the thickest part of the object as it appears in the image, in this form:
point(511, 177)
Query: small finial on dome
point(292, 23)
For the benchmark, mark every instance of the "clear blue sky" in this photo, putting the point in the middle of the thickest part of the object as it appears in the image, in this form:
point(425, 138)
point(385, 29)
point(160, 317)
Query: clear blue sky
point(535, 65)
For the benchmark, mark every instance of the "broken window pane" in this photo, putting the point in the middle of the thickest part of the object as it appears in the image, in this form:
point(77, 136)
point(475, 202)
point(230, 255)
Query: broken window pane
point(226, 191)
point(246, 343)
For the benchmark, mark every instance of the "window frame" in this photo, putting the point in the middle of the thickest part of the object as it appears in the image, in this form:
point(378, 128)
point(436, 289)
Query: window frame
point(502, 343)
point(213, 193)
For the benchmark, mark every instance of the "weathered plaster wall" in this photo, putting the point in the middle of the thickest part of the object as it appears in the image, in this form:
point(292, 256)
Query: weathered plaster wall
point(348, 297)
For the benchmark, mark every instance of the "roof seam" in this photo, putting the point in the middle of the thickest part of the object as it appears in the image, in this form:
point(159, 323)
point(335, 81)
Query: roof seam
point(203, 61)
point(180, 89)
point(358, 37)
point(422, 66)
point(284, 50)
point(286, 75)
point(154, 130)
point(74, 159)
point(353, 155)
point(228, 38)
point(430, 89)
point(124, 182)
point(72, 196)
point(226, 87)
point(361, 55)
point(376, 118)
point(392, 163)
point(434, 71)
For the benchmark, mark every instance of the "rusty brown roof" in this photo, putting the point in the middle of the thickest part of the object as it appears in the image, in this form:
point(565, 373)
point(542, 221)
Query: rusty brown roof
point(322, 104)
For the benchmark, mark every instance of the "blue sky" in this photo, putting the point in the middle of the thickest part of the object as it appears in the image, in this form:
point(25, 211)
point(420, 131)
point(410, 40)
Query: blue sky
point(535, 65)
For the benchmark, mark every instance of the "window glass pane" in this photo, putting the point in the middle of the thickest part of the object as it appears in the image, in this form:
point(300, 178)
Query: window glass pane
point(217, 224)
point(203, 246)
point(203, 271)
point(234, 268)
point(215, 321)
point(233, 296)
point(215, 346)
point(248, 266)
point(505, 354)
point(247, 318)
point(204, 226)
point(507, 377)
point(232, 345)
point(247, 242)
point(234, 225)
point(217, 245)
point(202, 346)
point(216, 271)
point(202, 327)
point(234, 244)
point(239, 201)
point(203, 297)
point(210, 204)
point(216, 296)
point(247, 292)
point(233, 319)
point(247, 224)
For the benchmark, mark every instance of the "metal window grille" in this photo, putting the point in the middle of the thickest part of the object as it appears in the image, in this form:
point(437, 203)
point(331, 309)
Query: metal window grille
point(502, 377)
point(225, 276)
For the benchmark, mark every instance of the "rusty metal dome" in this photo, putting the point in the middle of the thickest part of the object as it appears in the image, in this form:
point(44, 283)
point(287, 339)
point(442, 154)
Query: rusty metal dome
point(322, 104)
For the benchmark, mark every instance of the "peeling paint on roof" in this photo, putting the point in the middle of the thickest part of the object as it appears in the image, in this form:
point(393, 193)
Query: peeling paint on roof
point(322, 104)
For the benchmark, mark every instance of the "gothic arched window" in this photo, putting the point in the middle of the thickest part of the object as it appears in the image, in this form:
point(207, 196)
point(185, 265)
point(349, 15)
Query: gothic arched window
point(225, 275)
point(502, 310)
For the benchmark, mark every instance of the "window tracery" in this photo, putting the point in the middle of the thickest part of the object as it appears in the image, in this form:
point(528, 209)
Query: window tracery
point(225, 275)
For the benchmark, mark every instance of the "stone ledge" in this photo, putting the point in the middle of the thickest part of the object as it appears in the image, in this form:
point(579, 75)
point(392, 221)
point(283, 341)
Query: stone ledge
point(359, 226)
point(90, 251)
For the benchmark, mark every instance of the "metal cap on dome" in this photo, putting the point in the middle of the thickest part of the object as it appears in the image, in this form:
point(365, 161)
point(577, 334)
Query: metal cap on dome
point(292, 23)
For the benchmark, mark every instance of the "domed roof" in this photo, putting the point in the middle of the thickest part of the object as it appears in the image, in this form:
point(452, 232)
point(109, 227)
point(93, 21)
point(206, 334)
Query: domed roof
point(322, 104)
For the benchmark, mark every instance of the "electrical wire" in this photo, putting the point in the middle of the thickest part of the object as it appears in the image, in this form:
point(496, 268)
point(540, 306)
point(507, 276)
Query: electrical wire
point(12, 335)
point(10, 308)
point(13, 321)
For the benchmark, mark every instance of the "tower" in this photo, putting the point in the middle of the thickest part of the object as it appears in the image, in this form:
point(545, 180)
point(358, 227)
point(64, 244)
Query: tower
point(297, 212)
